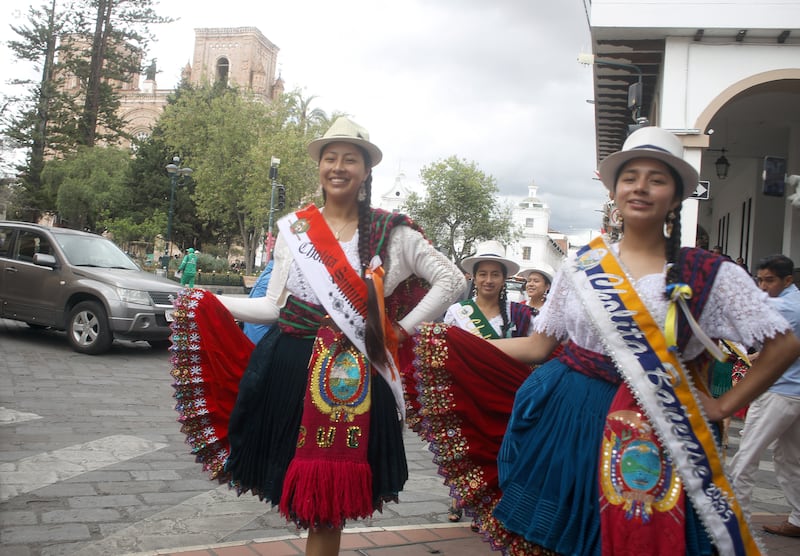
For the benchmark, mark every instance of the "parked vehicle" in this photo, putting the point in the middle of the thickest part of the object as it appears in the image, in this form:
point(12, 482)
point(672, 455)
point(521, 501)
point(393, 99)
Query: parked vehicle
point(81, 283)
point(515, 289)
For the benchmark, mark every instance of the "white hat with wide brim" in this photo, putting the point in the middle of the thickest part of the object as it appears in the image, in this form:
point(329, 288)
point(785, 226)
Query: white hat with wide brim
point(544, 269)
point(345, 130)
point(650, 142)
point(491, 250)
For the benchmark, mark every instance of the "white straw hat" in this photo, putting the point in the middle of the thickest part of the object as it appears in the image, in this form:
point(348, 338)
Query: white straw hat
point(544, 269)
point(347, 131)
point(650, 142)
point(491, 250)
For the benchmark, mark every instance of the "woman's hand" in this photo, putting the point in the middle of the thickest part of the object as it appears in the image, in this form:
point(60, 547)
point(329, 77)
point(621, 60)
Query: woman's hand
point(400, 333)
point(712, 407)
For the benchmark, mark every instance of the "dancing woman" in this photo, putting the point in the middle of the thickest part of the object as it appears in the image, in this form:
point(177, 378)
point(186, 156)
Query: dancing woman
point(609, 448)
point(317, 422)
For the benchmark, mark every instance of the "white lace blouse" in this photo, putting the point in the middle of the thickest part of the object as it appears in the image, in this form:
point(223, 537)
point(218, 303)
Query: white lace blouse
point(735, 310)
point(408, 253)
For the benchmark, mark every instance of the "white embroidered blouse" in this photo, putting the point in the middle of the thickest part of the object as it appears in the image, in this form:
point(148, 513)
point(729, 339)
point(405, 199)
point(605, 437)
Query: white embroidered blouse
point(408, 253)
point(735, 310)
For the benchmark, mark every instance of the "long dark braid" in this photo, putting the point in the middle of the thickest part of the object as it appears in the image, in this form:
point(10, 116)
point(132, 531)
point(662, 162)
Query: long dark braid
point(673, 243)
point(504, 305)
point(373, 331)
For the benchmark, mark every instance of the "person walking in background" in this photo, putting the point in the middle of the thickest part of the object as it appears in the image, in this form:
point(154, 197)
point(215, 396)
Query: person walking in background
point(537, 285)
point(775, 415)
point(188, 268)
point(317, 423)
point(606, 448)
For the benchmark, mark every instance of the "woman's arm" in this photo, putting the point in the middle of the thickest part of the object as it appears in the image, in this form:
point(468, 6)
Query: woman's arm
point(264, 310)
point(410, 253)
point(528, 349)
point(775, 357)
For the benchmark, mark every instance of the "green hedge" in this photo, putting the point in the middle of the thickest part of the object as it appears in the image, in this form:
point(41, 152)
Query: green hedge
point(219, 279)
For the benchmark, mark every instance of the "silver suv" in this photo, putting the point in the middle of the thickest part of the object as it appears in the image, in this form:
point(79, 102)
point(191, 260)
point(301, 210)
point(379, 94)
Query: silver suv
point(81, 283)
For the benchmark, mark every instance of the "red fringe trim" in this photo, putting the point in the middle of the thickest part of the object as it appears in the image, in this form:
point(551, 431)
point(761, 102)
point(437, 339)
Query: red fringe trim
point(326, 493)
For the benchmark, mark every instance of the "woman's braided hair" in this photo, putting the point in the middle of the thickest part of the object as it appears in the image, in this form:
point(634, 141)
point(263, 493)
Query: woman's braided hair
point(673, 243)
point(373, 332)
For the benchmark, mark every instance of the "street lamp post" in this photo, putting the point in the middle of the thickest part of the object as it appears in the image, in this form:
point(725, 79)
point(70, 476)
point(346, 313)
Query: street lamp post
point(277, 190)
point(174, 170)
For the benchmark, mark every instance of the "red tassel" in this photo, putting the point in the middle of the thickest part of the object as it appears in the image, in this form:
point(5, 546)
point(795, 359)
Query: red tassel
point(317, 492)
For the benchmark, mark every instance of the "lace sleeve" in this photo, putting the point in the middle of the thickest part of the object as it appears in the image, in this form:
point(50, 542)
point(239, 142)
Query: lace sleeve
point(737, 310)
point(552, 318)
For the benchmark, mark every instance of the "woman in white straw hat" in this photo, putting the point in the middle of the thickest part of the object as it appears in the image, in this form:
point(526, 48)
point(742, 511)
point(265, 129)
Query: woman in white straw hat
point(488, 313)
point(537, 285)
point(610, 447)
point(314, 423)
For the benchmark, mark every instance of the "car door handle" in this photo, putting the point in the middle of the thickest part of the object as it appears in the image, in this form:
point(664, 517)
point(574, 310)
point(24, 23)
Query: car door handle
point(11, 269)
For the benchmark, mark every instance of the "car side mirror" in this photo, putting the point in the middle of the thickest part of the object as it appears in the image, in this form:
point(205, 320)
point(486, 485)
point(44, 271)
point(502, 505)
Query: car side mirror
point(44, 259)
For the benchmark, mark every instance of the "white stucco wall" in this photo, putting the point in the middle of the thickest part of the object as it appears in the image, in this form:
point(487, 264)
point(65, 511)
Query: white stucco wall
point(714, 14)
point(695, 73)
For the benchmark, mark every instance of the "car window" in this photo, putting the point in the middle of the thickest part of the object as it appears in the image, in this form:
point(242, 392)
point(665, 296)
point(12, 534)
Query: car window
point(94, 251)
point(29, 243)
point(6, 235)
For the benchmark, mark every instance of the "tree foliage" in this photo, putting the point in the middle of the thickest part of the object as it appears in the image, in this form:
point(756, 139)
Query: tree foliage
point(229, 140)
point(117, 32)
point(460, 208)
point(89, 184)
point(98, 44)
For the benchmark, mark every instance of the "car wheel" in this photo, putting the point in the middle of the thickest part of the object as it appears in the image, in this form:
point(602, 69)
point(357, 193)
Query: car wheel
point(87, 328)
point(159, 344)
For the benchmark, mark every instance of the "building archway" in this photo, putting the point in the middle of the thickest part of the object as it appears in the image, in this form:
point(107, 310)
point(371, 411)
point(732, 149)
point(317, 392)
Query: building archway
point(752, 119)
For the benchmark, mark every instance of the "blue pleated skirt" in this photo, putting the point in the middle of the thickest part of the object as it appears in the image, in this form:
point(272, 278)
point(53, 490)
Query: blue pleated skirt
point(549, 458)
point(548, 464)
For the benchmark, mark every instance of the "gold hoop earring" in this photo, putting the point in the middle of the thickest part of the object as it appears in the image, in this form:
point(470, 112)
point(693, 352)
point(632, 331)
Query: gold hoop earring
point(669, 224)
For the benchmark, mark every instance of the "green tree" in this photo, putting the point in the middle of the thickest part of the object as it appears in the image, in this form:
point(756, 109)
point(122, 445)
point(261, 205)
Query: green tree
point(460, 208)
point(117, 32)
point(229, 141)
point(101, 43)
point(30, 127)
point(89, 183)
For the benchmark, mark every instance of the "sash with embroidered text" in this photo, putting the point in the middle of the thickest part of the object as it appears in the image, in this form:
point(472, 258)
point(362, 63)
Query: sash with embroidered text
point(469, 317)
point(329, 479)
point(648, 460)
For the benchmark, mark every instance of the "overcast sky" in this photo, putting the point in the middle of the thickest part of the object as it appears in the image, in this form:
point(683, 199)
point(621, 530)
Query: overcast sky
point(492, 81)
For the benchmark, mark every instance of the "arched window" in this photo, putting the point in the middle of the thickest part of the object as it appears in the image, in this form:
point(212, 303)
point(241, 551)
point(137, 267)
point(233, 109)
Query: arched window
point(222, 70)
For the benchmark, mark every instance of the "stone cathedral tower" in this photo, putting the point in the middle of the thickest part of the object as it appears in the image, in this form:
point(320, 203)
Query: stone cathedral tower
point(238, 56)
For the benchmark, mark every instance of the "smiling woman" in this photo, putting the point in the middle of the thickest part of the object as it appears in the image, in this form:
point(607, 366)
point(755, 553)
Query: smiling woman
point(600, 452)
point(310, 419)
